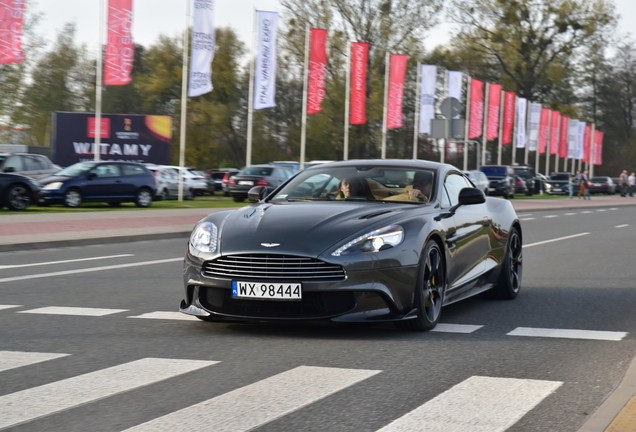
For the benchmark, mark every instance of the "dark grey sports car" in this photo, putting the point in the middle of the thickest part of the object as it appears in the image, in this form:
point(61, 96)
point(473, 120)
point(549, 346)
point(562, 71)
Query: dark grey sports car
point(362, 240)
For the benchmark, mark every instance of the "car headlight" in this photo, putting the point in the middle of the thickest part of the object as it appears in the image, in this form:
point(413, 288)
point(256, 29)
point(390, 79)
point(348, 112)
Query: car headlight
point(53, 186)
point(204, 238)
point(374, 241)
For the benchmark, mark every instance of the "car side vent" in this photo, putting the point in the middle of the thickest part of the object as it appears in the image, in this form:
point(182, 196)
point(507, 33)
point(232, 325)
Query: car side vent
point(372, 215)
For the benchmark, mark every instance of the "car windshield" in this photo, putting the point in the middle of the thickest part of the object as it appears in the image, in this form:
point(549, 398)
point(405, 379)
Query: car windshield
point(76, 169)
point(363, 183)
point(257, 171)
point(560, 177)
point(599, 179)
point(524, 173)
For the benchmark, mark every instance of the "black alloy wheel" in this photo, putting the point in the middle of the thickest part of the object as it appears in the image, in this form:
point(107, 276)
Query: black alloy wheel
point(72, 198)
point(509, 283)
point(429, 292)
point(18, 197)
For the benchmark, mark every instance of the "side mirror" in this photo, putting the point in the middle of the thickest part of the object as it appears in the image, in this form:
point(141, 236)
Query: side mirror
point(257, 193)
point(91, 175)
point(9, 169)
point(468, 196)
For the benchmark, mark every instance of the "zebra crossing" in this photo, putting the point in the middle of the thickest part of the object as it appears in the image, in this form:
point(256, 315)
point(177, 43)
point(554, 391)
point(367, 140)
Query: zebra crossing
point(478, 403)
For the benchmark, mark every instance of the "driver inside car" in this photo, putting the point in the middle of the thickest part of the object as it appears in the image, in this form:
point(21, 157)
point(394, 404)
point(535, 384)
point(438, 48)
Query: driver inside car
point(421, 190)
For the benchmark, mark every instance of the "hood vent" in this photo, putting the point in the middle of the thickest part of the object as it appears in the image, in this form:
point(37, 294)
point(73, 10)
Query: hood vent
point(372, 215)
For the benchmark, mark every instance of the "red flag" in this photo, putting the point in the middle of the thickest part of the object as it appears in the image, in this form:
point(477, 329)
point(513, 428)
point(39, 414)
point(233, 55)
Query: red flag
point(317, 70)
point(120, 51)
point(587, 143)
point(11, 22)
point(598, 147)
point(509, 117)
point(544, 130)
point(359, 60)
point(476, 109)
point(494, 102)
point(554, 137)
point(396, 91)
point(563, 146)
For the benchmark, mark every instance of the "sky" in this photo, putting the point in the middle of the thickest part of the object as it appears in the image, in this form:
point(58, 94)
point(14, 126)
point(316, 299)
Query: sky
point(154, 17)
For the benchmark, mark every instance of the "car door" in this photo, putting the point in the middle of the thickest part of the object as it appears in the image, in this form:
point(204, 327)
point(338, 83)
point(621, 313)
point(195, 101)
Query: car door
point(103, 182)
point(130, 181)
point(470, 237)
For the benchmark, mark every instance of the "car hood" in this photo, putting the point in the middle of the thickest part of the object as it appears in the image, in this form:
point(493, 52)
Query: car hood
point(54, 178)
point(304, 228)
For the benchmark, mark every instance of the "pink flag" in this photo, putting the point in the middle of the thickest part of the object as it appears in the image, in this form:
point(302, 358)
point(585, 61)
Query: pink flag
point(544, 129)
point(11, 22)
point(565, 127)
point(494, 102)
point(554, 137)
point(475, 128)
point(509, 117)
point(396, 91)
point(598, 147)
point(359, 60)
point(317, 70)
point(120, 51)
point(587, 143)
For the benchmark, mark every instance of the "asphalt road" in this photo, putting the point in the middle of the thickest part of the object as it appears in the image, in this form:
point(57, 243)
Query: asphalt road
point(113, 358)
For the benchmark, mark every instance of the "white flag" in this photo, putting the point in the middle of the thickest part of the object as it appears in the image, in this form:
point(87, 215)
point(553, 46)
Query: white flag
point(578, 154)
point(427, 97)
point(573, 134)
point(455, 85)
point(535, 119)
point(203, 44)
point(522, 104)
point(265, 71)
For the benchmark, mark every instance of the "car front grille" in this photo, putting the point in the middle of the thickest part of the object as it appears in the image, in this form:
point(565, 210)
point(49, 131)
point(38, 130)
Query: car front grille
point(270, 266)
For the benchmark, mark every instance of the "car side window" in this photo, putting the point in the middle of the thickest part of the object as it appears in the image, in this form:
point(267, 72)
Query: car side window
point(454, 183)
point(109, 170)
point(132, 170)
point(14, 162)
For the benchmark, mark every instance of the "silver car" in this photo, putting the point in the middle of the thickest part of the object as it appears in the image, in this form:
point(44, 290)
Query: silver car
point(479, 179)
point(167, 180)
point(31, 165)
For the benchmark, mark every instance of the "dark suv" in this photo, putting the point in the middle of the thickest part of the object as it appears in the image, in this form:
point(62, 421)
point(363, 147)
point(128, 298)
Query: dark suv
point(527, 174)
point(502, 180)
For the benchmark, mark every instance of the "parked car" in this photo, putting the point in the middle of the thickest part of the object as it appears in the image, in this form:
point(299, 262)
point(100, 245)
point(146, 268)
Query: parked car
point(479, 179)
point(215, 177)
point(108, 181)
point(521, 186)
point(544, 183)
point(270, 176)
point(193, 178)
point(559, 183)
point(304, 254)
point(617, 184)
point(603, 185)
point(293, 166)
point(312, 163)
point(18, 192)
point(31, 165)
point(527, 174)
point(502, 180)
point(225, 183)
point(167, 180)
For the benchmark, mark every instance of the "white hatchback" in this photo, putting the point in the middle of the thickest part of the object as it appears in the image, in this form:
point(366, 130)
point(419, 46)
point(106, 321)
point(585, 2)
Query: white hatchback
point(193, 178)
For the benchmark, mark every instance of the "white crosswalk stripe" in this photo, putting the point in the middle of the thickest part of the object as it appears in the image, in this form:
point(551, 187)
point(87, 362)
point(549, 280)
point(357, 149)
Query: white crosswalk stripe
point(456, 328)
point(16, 359)
point(256, 404)
point(167, 316)
point(9, 306)
point(478, 404)
point(26, 405)
point(568, 333)
point(57, 310)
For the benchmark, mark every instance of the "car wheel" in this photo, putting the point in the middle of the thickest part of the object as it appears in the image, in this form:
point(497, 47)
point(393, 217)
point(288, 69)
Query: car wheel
point(144, 198)
point(429, 291)
point(188, 195)
point(72, 198)
point(238, 198)
point(18, 197)
point(163, 195)
point(509, 282)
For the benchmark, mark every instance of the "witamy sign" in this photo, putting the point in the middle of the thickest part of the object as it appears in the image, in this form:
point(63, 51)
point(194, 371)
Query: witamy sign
point(132, 138)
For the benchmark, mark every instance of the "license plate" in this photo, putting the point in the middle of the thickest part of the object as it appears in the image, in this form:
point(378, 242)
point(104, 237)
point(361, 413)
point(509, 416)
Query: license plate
point(265, 290)
point(246, 183)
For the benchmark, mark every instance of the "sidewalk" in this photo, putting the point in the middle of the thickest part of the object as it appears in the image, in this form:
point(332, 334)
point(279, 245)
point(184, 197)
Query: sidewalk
point(31, 231)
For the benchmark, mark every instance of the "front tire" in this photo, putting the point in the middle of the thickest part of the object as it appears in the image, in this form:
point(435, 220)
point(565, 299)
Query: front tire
point(18, 198)
point(144, 198)
point(509, 282)
point(72, 198)
point(429, 291)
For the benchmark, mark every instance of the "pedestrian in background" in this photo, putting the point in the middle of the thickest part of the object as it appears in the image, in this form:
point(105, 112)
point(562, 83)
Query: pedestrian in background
point(571, 186)
point(631, 182)
point(588, 194)
point(582, 185)
point(623, 181)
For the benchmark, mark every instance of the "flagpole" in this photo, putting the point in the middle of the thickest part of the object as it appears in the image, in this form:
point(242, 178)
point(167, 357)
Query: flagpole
point(303, 130)
point(484, 138)
point(345, 148)
point(98, 87)
point(418, 101)
point(387, 70)
point(469, 86)
point(184, 102)
point(592, 149)
point(501, 120)
point(250, 101)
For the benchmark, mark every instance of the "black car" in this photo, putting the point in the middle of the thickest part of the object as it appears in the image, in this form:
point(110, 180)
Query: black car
point(269, 176)
point(108, 181)
point(521, 187)
point(18, 192)
point(309, 252)
point(527, 174)
point(602, 185)
point(502, 180)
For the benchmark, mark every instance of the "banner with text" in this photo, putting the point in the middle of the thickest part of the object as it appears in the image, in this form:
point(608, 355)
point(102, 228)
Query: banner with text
point(397, 79)
point(554, 136)
point(120, 50)
point(598, 147)
point(510, 99)
point(359, 61)
point(428, 85)
point(494, 102)
point(587, 143)
point(565, 131)
point(317, 71)
point(133, 138)
point(544, 129)
point(203, 45)
point(455, 80)
point(535, 119)
point(573, 134)
point(580, 139)
point(11, 30)
point(522, 105)
point(265, 74)
point(476, 125)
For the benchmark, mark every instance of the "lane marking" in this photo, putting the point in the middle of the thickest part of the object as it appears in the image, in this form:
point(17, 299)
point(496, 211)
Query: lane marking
point(3, 267)
point(614, 208)
point(50, 398)
point(167, 316)
point(555, 240)
point(58, 310)
point(550, 216)
point(601, 210)
point(570, 214)
point(88, 270)
point(621, 226)
point(524, 215)
point(16, 359)
point(568, 334)
point(527, 219)
point(9, 306)
point(456, 328)
point(586, 211)
point(476, 404)
point(256, 404)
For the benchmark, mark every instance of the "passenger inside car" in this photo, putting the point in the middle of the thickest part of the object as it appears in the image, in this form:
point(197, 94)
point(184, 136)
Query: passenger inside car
point(419, 192)
point(354, 188)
